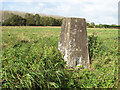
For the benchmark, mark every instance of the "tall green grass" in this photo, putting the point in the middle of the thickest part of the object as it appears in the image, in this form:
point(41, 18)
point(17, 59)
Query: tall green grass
point(30, 59)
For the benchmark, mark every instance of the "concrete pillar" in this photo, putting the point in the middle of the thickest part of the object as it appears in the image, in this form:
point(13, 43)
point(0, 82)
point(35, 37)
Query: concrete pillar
point(73, 42)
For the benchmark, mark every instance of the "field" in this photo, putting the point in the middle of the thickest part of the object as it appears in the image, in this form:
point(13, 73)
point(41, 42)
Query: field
point(30, 58)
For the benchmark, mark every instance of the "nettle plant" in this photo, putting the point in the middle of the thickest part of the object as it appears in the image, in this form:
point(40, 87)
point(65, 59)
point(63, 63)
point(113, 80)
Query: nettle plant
point(95, 46)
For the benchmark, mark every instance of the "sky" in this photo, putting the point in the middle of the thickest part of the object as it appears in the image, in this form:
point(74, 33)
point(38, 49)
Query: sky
point(98, 11)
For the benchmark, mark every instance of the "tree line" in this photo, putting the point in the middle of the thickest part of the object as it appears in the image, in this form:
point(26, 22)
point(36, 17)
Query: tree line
point(92, 25)
point(31, 20)
point(37, 20)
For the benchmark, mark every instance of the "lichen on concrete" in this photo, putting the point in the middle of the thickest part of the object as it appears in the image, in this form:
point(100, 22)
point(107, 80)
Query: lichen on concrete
point(73, 42)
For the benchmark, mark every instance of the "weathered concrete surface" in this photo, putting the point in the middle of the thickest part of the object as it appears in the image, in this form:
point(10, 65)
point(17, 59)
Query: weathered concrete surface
point(73, 42)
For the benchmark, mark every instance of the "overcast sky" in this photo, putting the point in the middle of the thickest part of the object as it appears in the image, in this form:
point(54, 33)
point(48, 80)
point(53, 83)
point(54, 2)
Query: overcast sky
point(98, 11)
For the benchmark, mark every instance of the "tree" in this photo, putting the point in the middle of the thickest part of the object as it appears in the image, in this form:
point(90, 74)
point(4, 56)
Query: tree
point(113, 26)
point(15, 20)
point(87, 24)
point(44, 21)
point(106, 26)
point(97, 26)
point(92, 25)
point(58, 22)
point(28, 15)
point(37, 19)
point(30, 21)
point(51, 21)
point(100, 26)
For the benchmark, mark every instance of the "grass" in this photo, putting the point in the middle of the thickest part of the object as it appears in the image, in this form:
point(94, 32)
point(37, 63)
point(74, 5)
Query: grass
point(30, 58)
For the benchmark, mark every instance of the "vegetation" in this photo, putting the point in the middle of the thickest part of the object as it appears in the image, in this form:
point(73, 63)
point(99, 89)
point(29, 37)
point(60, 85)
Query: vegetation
point(32, 20)
point(15, 20)
point(92, 25)
point(29, 19)
point(30, 59)
point(7, 14)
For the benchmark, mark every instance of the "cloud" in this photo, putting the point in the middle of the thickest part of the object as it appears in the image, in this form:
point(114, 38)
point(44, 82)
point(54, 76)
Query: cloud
point(98, 11)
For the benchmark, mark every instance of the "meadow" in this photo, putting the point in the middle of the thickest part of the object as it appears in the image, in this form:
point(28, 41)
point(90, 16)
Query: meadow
point(30, 59)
